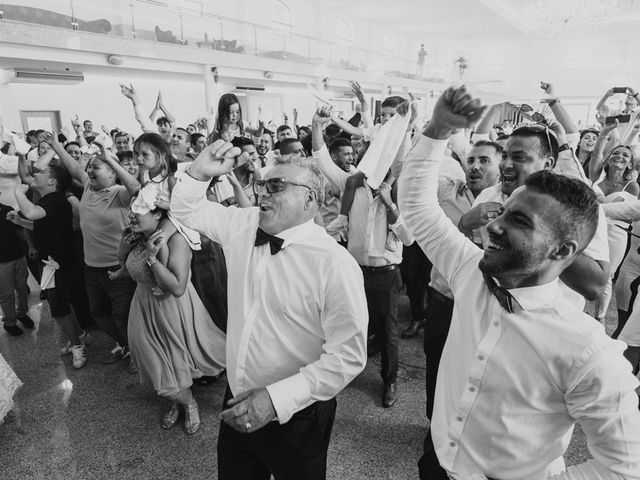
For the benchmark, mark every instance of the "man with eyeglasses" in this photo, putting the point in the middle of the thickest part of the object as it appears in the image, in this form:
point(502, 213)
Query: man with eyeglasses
point(376, 238)
point(521, 364)
point(296, 334)
point(530, 149)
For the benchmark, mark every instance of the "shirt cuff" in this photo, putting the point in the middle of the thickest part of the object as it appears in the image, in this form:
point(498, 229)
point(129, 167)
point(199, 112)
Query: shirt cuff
point(289, 396)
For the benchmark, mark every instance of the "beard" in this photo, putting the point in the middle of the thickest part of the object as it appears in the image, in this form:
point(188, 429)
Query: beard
point(510, 262)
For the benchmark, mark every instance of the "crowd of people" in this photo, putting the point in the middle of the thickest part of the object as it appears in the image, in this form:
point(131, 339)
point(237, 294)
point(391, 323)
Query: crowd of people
point(278, 254)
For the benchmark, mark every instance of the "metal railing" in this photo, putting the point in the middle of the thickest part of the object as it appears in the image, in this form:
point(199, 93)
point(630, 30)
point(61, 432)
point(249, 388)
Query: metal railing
point(190, 27)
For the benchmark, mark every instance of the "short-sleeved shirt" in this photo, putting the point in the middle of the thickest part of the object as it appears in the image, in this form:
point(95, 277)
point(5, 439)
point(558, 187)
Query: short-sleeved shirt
point(103, 217)
point(53, 234)
point(11, 247)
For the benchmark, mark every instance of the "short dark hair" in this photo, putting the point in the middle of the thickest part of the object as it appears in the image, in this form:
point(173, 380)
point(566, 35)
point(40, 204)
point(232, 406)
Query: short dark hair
point(268, 132)
point(163, 121)
point(184, 130)
point(489, 143)
point(547, 139)
point(124, 156)
point(120, 133)
point(282, 128)
point(285, 142)
point(392, 101)
point(337, 143)
point(71, 143)
point(87, 121)
point(578, 218)
point(243, 142)
point(195, 137)
point(61, 176)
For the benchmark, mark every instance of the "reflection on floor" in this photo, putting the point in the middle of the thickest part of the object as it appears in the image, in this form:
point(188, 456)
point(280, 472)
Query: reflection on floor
point(97, 422)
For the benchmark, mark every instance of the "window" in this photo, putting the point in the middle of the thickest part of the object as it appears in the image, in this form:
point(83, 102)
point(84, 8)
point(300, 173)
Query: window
point(388, 45)
point(281, 16)
point(344, 32)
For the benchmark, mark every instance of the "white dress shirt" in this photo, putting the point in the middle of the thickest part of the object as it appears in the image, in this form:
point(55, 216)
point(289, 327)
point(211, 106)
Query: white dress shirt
point(297, 319)
point(455, 199)
point(598, 247)
point(511, 386)
point(369, 241)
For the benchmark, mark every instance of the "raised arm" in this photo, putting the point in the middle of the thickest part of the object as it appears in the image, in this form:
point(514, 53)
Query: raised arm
point(77, 128)
point(130, 182)
point(131, 94)
point(23, 170)
point(367, 121)
point(171, 274)
point(189, 204)
point(448, 249)
point(30, 210)
point(165, 111)
point(597, 157)
point(68, 162)
point(330, 170)
point(485, 126)
point(558, 109)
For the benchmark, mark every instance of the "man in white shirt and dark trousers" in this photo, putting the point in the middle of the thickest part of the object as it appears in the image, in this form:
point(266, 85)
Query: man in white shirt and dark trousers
point(376, 235)
point(296, 334)
point(521, 364)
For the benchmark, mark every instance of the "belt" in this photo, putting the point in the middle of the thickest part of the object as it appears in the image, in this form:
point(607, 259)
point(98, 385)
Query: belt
point(384, 268)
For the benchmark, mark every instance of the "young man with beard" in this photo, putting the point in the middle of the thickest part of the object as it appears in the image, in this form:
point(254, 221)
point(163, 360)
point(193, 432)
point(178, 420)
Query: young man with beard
point(521, 363)
point(530, 149)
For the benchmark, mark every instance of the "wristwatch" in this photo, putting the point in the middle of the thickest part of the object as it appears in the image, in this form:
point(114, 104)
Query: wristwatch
point(553, 102)
point(151, 261)
point(564, 147)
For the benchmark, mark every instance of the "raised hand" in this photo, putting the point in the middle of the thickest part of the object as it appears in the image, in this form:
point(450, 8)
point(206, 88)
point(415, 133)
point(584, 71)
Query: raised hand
point(547, 88)
point(454, 110)
point(155, 242)
point(357, 91)
point(217, 159)
point(322, 115)
point(129, 92)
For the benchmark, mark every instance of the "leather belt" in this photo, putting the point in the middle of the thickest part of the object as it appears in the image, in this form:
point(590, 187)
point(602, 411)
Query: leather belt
point(438, 296)
point(384, 268)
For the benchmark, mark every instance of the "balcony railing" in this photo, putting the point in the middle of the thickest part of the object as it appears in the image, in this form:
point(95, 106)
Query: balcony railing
point(192, 27)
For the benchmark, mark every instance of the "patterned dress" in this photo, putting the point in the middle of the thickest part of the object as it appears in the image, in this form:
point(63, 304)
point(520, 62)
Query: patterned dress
point(172, 339)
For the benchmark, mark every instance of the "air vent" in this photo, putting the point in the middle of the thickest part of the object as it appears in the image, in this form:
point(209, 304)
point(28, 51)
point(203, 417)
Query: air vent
point(47, 76)
point(247, 87)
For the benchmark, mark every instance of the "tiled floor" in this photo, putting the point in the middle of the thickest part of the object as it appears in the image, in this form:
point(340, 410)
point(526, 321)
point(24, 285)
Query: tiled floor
point(97, 422)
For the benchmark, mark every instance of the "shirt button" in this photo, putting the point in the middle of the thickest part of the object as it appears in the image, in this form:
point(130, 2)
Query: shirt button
point(472, 389)
point(480, 357)
point(496, 324)
point(459, 419)
point(452, 444)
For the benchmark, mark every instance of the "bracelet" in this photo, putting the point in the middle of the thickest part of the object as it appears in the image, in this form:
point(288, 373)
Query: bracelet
point(553, 102)
point(187, 171)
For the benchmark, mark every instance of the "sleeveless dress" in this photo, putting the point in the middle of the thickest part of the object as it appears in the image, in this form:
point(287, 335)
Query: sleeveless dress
point(617, 235)
point(172, 339)
point(9, 385)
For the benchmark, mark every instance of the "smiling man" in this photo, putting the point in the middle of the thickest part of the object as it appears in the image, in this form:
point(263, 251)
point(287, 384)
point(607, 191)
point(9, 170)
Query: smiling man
point(521, 363)
point(296, 334)
point(531, 149)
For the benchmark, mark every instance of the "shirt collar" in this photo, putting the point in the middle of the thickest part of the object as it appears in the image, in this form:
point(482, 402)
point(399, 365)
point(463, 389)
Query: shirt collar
point(297, 233)
point(531, 298)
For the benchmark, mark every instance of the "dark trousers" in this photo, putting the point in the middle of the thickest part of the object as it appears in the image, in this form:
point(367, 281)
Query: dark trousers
point(296, 450)
point(429, 465)
point(382, 290)
point(209, 277)
point(416, 271)
point(436, 329)
point(78, 293)
point(109, 301)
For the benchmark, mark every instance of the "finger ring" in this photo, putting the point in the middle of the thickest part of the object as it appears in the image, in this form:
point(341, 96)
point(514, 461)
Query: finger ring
point(247, 426)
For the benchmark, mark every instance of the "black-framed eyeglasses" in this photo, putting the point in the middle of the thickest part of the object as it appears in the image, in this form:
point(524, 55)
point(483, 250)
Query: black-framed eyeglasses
point(537, 128)
point(275, 185)
point(535, 116)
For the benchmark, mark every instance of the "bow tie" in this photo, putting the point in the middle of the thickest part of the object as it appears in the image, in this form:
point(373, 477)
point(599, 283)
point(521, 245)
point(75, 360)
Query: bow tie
point(274, 242)
point(502, 294)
